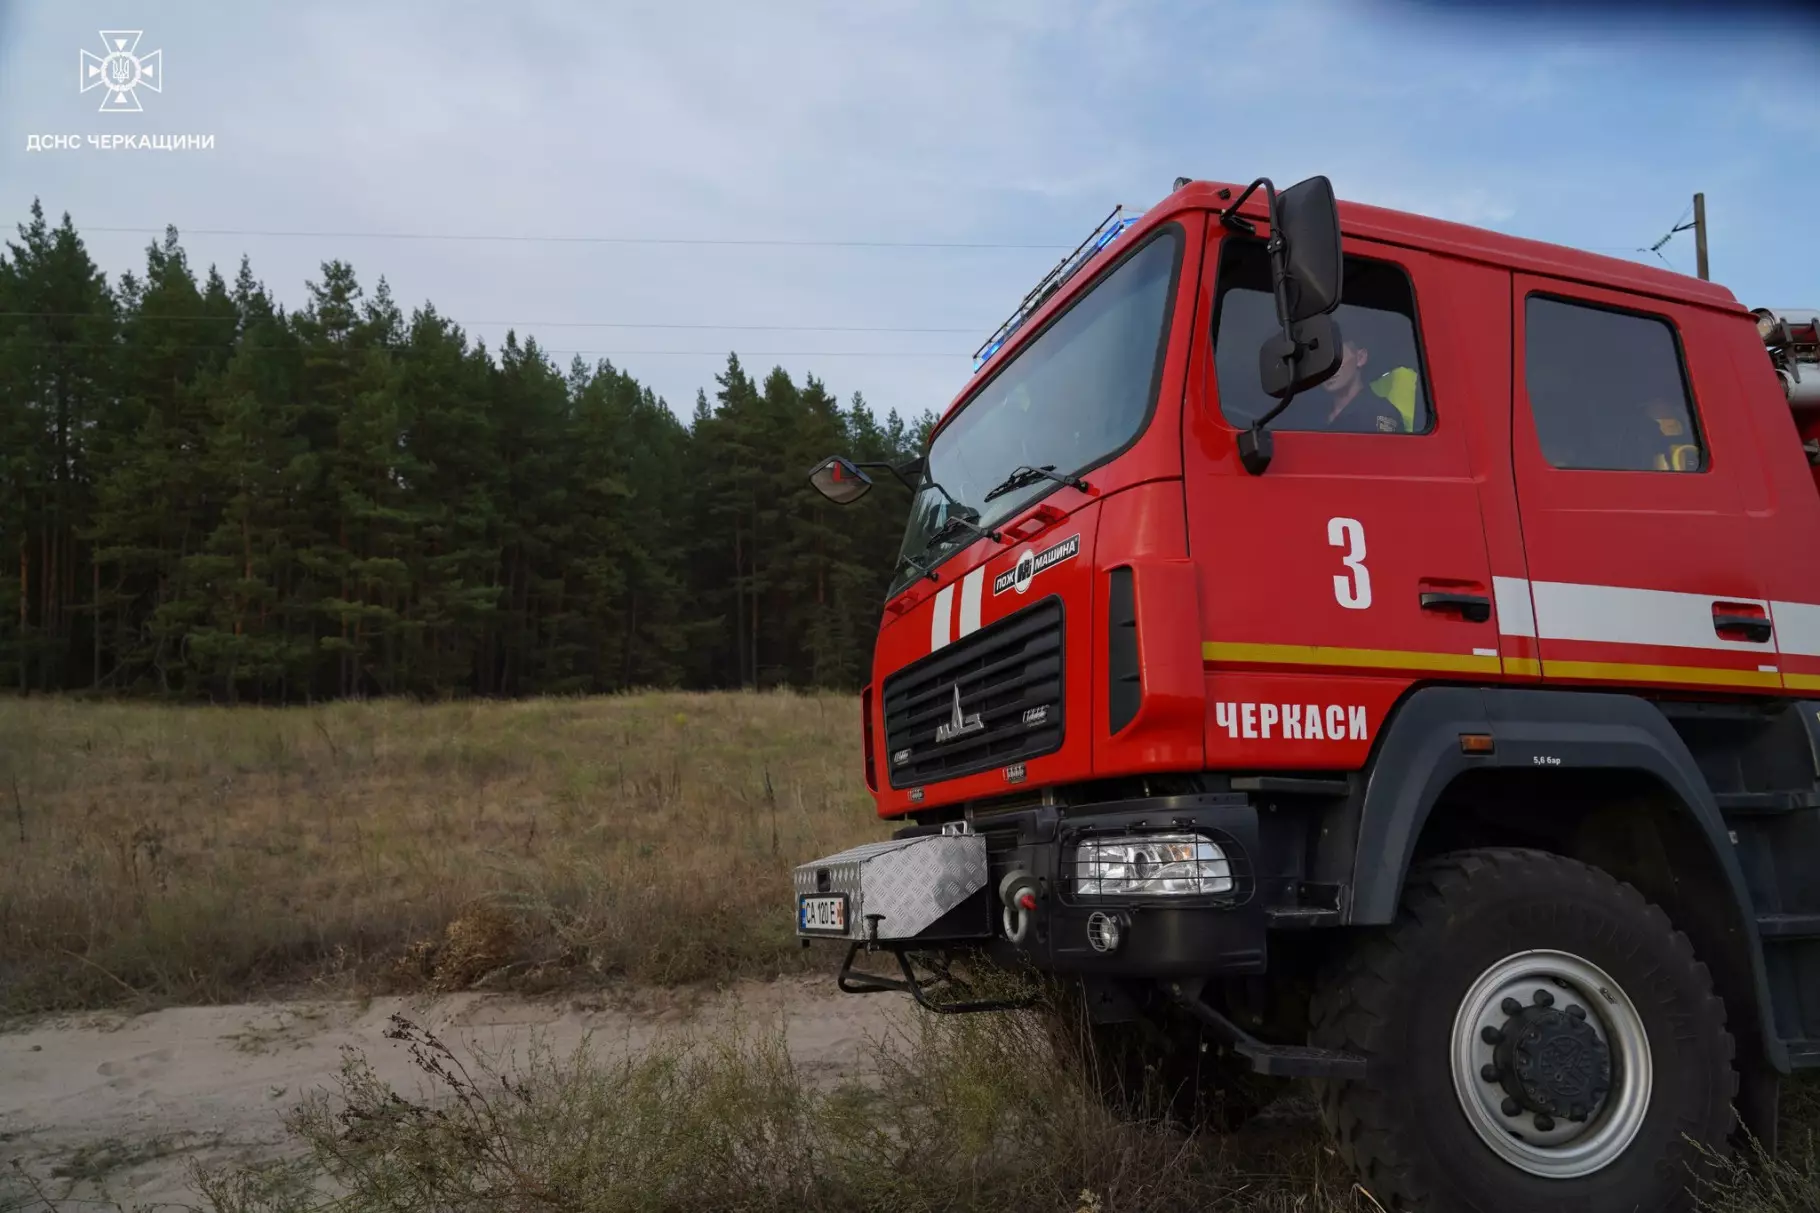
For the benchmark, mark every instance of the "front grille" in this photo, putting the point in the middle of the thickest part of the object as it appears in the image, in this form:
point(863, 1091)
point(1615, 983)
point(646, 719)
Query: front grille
point(1009, 675)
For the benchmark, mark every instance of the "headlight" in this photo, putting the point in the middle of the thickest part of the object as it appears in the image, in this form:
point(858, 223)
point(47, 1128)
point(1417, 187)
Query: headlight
point(1166, 865)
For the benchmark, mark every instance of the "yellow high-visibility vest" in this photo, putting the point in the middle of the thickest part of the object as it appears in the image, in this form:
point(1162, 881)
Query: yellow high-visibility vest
point(1682, 457)
point(1398, 386)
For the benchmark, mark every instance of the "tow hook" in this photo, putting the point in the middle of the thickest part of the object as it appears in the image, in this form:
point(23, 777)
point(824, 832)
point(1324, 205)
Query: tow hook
point(1017, 892)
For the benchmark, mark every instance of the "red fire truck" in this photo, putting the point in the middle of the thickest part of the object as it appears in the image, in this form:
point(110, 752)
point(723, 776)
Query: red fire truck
point(1352, 646)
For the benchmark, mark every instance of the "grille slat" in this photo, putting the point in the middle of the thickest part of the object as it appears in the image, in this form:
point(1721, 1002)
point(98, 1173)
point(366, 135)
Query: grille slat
point(1031, 659)
point(1002, 671)
point(1037, 674)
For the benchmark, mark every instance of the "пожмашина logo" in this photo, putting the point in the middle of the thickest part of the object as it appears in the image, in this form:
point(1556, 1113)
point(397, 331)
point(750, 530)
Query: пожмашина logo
point(123, 71)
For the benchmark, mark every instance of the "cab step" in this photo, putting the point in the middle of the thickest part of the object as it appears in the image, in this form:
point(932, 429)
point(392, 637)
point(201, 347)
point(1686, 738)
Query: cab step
point(1765, 804)
point(1294, 785)
point(1803, 1054)
point(1300, 917)
point(1788, 926)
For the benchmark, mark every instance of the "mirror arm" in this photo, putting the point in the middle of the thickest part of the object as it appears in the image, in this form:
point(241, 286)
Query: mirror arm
point(893, 469)
point(1254, 444)
point(1279, 264)
point(1230, 217)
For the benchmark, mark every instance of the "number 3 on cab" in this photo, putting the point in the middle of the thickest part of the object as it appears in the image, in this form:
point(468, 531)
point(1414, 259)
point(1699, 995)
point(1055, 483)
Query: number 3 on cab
point(1353, 587)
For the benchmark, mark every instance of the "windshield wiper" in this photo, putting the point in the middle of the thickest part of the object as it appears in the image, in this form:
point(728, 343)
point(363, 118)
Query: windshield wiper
point(955, 524)
point(1027, 475)
point(927, 574)
point(960, 522)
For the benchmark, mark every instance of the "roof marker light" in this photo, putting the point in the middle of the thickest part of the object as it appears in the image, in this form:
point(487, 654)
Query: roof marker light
point(1109, 229)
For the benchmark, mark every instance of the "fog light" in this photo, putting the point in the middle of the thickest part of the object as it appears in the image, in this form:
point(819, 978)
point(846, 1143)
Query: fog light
point(1103, 932)
point(1151, 865)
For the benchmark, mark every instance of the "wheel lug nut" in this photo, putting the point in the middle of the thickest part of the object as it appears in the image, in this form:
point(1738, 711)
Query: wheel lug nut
point(1544, 1122)
point(1491, 1035)
point(1510, 1006)
point(1576, 1010)
point(1488, 1072)
point(1544, 998)
point(1510, 1107)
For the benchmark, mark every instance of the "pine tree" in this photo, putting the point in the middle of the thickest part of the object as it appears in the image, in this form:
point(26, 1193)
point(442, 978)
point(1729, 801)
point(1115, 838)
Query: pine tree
point(450, 438)
point(57, 365)
point(535, 646)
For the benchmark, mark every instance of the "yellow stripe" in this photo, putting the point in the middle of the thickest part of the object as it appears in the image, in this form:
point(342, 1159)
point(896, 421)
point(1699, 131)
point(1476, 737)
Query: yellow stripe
point(1614, 671)
point(1374, 659)
point(1394, 659)
point(1801, 682)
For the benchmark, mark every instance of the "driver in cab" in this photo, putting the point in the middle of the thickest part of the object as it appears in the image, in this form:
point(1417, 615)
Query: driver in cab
point(1358, 403)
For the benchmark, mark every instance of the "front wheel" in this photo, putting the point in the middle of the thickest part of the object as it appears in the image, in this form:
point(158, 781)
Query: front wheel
point(1539, 1037)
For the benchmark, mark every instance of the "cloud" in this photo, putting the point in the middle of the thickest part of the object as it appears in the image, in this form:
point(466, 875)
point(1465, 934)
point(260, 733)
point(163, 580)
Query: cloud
point(1013, 122)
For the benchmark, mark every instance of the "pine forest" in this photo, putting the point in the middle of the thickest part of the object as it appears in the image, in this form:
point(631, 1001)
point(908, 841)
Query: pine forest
point(210, 498)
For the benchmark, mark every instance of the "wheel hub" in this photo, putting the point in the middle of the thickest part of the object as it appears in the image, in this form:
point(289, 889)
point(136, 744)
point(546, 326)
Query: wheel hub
point(1551, 1064)
point(1551, 1061)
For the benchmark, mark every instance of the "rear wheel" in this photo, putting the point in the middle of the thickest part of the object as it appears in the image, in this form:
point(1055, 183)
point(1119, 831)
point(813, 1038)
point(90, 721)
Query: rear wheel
point(1539, 1037)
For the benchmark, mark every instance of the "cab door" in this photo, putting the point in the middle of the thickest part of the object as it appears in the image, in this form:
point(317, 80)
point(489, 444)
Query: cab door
point(1357, 562)
point(1643, 560)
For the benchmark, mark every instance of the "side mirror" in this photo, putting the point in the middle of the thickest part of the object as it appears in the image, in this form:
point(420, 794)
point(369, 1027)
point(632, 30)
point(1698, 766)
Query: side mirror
point(840, 481)
point(1306, 269)
point(1304, 357)
point(1308, 220)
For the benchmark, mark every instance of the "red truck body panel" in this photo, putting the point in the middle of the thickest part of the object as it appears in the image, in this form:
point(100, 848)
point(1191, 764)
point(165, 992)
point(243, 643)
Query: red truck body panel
point(1280, 617)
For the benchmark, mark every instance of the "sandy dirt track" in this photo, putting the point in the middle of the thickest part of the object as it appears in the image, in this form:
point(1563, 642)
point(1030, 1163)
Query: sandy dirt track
point(111, 1108)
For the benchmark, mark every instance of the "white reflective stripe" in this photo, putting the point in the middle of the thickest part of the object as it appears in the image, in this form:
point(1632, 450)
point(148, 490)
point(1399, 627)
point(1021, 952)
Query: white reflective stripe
point(943, 616)
point(1515, 615)
point(1610, 614)
point(1797, 628)
point(970, 600)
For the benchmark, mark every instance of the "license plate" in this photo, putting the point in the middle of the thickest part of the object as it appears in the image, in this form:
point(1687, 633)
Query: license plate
point(822, 915)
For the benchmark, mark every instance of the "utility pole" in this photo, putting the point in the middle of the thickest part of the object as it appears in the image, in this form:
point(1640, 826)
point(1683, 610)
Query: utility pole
point(1699, 226)
point(1700, 236)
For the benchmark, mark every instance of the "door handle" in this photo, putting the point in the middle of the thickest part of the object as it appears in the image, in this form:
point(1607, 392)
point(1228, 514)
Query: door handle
point(1753, 628)
point(1474, 608)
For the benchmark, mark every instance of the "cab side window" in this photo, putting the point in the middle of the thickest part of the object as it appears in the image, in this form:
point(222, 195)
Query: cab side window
point(1379, 388)
point(1608, 390)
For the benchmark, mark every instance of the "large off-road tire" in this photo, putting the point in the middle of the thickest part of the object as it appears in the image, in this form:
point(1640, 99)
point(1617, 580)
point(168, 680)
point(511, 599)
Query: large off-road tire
point(1453, 1117)
point(1160, 1069)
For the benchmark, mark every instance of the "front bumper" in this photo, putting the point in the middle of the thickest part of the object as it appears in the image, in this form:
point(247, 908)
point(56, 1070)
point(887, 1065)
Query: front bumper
point(950, 885)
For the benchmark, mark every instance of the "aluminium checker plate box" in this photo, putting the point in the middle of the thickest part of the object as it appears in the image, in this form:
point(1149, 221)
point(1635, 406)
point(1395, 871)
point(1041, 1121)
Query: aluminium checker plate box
point(925, 888)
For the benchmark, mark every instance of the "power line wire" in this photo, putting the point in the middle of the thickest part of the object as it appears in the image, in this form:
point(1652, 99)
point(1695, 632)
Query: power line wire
point(553, 324)
point(405, 350)
point(708, 241)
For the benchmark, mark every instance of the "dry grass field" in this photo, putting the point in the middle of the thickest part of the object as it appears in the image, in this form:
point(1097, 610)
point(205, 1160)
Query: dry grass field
point(151, 855)
point(154, 856)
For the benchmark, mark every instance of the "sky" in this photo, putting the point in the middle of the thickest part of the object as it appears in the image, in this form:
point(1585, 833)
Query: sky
point(863, 191)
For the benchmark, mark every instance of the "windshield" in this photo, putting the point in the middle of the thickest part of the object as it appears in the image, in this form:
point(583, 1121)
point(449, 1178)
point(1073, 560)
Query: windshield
point(1077, 393)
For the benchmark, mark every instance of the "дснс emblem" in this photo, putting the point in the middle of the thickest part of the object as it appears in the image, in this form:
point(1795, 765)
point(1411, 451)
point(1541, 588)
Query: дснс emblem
point(122, 71)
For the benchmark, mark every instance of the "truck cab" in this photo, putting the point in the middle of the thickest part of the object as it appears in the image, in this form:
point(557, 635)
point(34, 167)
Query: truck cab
point(1353, 646)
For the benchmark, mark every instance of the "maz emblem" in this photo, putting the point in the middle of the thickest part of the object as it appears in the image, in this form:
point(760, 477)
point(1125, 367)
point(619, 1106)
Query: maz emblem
point(958, 725)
